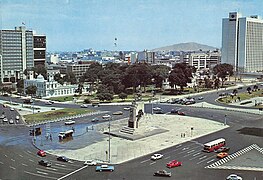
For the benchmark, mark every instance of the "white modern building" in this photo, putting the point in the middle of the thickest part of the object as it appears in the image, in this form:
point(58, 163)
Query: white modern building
point(242, 42)
point(50, 87)
point(146, 56)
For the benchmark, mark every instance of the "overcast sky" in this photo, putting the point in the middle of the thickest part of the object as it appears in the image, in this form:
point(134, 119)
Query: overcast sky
point(73, 25)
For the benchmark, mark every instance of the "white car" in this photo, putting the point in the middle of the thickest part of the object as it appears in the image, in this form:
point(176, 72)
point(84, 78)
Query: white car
point(48, 103)
point(11, 121)
point(233, 177)
point(5, 120)
point(17, 117)
point(126, 108)
point(84, 106)
point(157, 109)
point(106, 116)
point(12, 109)
point(70, 122)
point(90, 163)
point(156, 156)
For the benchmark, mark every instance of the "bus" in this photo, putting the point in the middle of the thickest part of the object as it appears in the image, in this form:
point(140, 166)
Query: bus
point(214, 145)
point(66, 134)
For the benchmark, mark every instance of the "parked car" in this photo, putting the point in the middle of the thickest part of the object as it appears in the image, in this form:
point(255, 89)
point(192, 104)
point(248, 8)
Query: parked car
point(5, 120)
point(156, 156)
point(2, 116)
point(162, 173)
point(44, 163)
point(96, 119)
point(94, 104)
point(90, 163)
point(173, 163)
point(222, 155)
point(222, 149)
point(159, 112)
point(233, 177)
point(17, 117)
point(11, 121)
point(174, 111)
point(118, 113)
point(104, 167)
point(48, 103)
point(41, 153)
point(106, 116)
point(12, 109)
point(70, 122)
point(84, 106)
point(181, 113)
point(157, 109)
point(126, 108)
point(200, 98)
point(63, 158)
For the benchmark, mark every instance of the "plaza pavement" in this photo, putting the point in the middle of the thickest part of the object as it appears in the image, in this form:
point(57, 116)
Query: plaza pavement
point(123, 149)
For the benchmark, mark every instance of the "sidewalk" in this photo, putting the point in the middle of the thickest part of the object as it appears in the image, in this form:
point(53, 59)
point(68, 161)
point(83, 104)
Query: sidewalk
point(123, 150)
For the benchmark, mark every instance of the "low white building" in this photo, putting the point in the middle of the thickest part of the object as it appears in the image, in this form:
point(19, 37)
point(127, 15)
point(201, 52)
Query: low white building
point(50, 87)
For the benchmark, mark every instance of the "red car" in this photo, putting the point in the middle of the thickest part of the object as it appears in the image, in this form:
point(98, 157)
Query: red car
point(173, 163)
point(181, 113)
point(41, 153)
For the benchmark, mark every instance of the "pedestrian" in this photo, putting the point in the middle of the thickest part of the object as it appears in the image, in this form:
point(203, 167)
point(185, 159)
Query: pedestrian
point(50, 137)
point(184, 134)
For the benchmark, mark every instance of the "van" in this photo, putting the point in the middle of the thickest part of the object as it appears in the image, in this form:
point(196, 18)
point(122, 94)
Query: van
point(17, 117)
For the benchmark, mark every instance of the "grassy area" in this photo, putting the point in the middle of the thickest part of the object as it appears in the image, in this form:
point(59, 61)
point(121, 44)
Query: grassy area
point(44, 116)
point(64, 98)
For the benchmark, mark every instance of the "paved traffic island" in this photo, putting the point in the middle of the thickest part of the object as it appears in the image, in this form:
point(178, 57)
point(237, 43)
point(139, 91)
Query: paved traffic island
point(177, 129)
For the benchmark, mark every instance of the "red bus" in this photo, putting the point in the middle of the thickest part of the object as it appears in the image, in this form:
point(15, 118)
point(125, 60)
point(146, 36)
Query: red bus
point(214, 145)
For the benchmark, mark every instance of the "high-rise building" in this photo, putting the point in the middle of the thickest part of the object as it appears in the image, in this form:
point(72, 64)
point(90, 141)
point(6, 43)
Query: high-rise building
point(242, 42)
point(18, 50)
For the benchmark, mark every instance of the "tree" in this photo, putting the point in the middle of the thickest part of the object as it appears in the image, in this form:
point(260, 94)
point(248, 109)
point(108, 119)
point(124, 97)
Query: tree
point(216, 83)
point(123, 96)
point(105, 96)
point(59, 79)
point(222, 71)
point(160, 73)
point(70, 77)
point(31, 90)
point(208, 83)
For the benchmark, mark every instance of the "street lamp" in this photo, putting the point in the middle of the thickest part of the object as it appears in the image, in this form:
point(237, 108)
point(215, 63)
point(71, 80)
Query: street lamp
point(109, 138)
point(225, 120)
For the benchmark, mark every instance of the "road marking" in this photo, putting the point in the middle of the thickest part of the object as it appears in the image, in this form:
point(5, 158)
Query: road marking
point(52, 169)
point(153, 163)
point(196, 154)
point(21, 155)
point(190, 151)
point(205, 159)
point(72, 172)
point(179, 145)
point(42, 173)
point(60, 165)
point(167, 157)
point(145, 160)
point(194, 158)
point(1, 162)
point(12, 167)
point(210, 161)
point(29, 152)
point(24, 164)
point(202, 157)
point(48, 171)
point(13, 160)
point(46, 177)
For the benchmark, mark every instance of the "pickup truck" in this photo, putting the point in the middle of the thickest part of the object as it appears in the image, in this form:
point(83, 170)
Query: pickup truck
point(104, 167)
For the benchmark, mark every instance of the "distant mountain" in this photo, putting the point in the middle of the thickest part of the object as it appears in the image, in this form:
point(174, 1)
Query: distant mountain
point(190, 46)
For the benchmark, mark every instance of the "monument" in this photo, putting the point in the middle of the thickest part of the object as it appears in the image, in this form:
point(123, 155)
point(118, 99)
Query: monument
point(136, 112)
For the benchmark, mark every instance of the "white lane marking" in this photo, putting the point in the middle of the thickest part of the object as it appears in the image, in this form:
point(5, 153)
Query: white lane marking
point(52, 169)
point(72, 172)
point(5, 155)
point(210, 161)
point(34, 174)
point(205, 159)
point(196, 154)
point(202, 157)
point(31, 160)
point(24, 164)
point(29, 152)
point(153, 163)
point(42, 173)
point(179, 145)
point(145, 160)
point(48, 171)
point(60, 165)
point(13, 160)
point(12, 167)
point(1, 162)
point(190, 151)
point(167, 157)
point(21, 155)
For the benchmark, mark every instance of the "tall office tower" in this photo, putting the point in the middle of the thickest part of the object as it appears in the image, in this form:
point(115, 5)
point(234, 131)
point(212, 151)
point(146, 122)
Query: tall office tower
point(16, 53)
point(242, 42)
point(39, 50)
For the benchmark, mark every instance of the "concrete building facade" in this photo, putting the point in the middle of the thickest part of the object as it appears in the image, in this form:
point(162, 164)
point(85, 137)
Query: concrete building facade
point(242, 42)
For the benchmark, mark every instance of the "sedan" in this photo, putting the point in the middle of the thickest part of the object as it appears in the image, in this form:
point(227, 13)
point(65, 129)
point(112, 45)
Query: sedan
point(104, 167)
point(84, 106)
point(157, 109)
point(106, 116)
point(163, 173)
point(181, 113)
point(63, 158)
point(70, 122)
point(126, 108)
point(222, 149)
point(5, 120)
point(95, 119)
point(222, 155)
point(90, 163)
point(11, 121)
point(12, 109)
point(44, 163)
point(156, 156)
point(233, 177)
point(174, 163)
point(41, 153)
point(118, 113)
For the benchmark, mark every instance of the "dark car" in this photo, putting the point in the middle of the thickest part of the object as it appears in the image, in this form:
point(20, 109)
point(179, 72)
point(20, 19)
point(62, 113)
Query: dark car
point(159, 112)
point(63, 158)
point(44, 163)
point(222, 149)
point(163, 173)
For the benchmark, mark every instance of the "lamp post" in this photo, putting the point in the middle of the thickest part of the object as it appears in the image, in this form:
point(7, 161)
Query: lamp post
point(109, 138)
point(225, 120)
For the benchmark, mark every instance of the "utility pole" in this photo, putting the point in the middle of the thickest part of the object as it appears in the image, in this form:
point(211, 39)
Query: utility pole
point(109, 137)
point(225, 120)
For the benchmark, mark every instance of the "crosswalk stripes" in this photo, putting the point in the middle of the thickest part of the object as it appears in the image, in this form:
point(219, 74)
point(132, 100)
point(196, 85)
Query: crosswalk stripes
point(220, 162)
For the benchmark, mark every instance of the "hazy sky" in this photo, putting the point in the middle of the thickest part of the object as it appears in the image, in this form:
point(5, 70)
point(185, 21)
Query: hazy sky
point(72, 25)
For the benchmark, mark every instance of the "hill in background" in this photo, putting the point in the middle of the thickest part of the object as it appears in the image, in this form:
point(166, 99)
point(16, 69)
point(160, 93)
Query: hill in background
point(190, 46)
